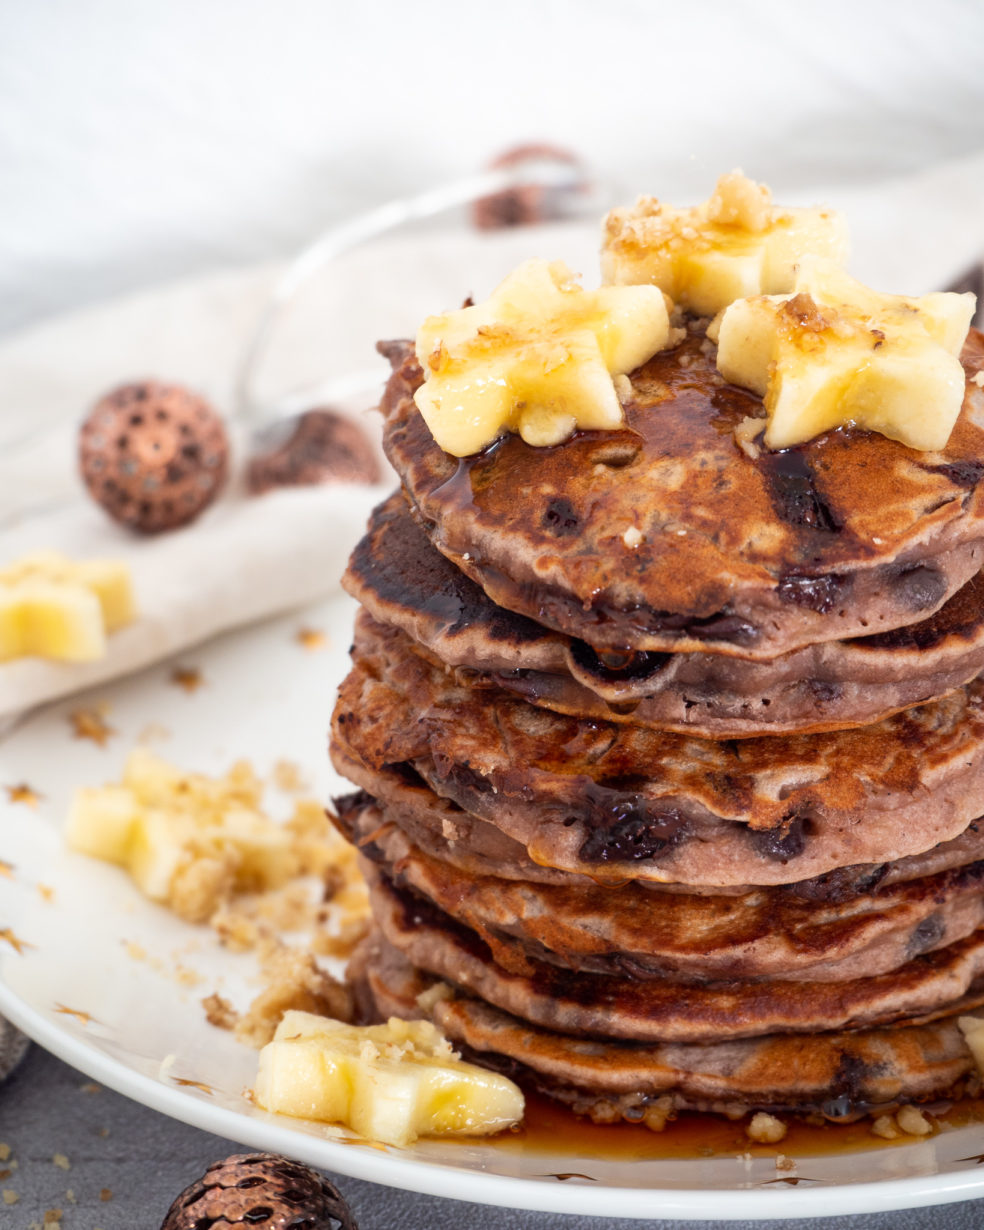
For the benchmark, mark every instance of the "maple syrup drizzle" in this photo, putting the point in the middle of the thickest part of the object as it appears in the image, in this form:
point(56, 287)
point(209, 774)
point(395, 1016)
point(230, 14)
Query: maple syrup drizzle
point(550, 1128)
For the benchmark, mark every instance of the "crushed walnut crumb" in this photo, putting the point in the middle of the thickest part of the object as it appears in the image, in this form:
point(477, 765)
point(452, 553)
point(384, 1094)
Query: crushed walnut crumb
point(623, 389)
point(434, 995)
point(287, 776)
point(765, 1129)
point(185, 976)
point(61, 1161)
point(785, 1163)
point(978, 379)
point(293, 981)
point(10, 1196)
point(219, 1012)
point(885, 1127)
point(913, 1122)
point(745, 433)
point(105, 1194)
point(5, 1151)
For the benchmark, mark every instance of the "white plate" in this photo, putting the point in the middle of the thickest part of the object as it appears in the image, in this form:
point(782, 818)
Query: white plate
point(265, 698)
point(128, 1023)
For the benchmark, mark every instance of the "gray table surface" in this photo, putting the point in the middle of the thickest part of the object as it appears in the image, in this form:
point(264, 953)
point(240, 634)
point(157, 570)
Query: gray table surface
point(145, 1159)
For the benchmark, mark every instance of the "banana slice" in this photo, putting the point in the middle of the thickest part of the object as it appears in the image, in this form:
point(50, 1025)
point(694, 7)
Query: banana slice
point(54, 607)
point(734, 245)
point(538, 358)
point(836, 352)
point(389, 1083)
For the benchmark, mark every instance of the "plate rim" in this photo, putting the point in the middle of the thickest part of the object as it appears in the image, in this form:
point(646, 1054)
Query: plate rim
point(505, 1191)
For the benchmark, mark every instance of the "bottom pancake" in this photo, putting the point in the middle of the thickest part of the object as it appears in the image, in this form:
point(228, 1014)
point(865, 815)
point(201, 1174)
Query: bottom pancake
point(839, 1075)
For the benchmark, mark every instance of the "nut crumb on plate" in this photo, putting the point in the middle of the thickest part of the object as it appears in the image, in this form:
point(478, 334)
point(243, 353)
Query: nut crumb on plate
point(913, 1122)
point(765, 1129)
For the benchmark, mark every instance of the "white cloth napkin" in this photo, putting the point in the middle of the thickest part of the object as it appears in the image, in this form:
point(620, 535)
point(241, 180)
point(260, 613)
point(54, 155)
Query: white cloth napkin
point(244, 559)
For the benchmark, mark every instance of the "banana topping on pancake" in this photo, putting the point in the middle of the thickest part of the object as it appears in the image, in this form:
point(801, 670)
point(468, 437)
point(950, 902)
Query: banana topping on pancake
point(732, 246)
point(537, 357)
point(836, 353)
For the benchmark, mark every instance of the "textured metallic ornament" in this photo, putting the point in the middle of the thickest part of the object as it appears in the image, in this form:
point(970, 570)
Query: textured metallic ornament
point(13, 1047)
point(153, 455)
point(320, 446)
point(263, 1191)
point(527, 203)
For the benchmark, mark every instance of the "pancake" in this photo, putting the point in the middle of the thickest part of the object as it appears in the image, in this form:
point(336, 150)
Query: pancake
point(840, 1075)
point(640, 933)
point(584, 795)
point(849, 534)
point(660, 1010)
point(445, 832)
point(402, 581)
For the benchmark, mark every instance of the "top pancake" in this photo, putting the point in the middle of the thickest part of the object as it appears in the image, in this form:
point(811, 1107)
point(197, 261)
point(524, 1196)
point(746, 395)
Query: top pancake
point(851, 533)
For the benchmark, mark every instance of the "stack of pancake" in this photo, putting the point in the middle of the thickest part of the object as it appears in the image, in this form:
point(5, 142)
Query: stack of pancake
point(670, 753)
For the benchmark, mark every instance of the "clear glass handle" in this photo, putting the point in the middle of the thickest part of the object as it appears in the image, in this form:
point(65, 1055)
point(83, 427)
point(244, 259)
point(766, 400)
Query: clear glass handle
point(574, 193)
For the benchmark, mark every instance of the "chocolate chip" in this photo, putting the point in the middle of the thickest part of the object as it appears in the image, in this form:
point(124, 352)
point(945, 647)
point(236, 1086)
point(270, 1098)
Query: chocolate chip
point(925, 935)
point(919, 587)
point(629, 828)
point(560, 518)
point(786, 841)
point(794, 492)
point(816, 593)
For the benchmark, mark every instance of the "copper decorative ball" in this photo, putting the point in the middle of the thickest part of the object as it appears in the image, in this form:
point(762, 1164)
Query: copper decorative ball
point(153, 455)
point(526, 204)
point(263, 1191)
point(319, 446)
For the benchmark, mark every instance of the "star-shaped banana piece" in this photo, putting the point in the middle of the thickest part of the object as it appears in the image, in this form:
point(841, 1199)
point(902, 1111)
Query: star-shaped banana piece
point(734, 245)
point(836, 353)
point(54, 607)
point(537, 358)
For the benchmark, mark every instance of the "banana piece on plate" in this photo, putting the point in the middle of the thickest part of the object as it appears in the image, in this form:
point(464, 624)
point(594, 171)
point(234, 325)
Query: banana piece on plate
point(186, 839)
point(836, 352)
point(54, 607)
point(538, 358)
point(389, 1083)
point(734, 245)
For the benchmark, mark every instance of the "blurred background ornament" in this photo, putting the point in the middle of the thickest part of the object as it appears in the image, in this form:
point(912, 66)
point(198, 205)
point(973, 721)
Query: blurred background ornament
point(319, 446)
point(263, 1191)
point(153, 456)
point(533, 201)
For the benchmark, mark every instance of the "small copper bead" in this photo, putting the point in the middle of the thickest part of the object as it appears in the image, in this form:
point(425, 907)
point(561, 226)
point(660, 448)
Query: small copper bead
point(263, 1191)
point(526, 203)
point(153, 455)
point(320, 446)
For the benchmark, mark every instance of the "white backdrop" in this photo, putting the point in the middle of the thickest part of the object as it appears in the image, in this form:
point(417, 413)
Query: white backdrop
point(146, 139)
